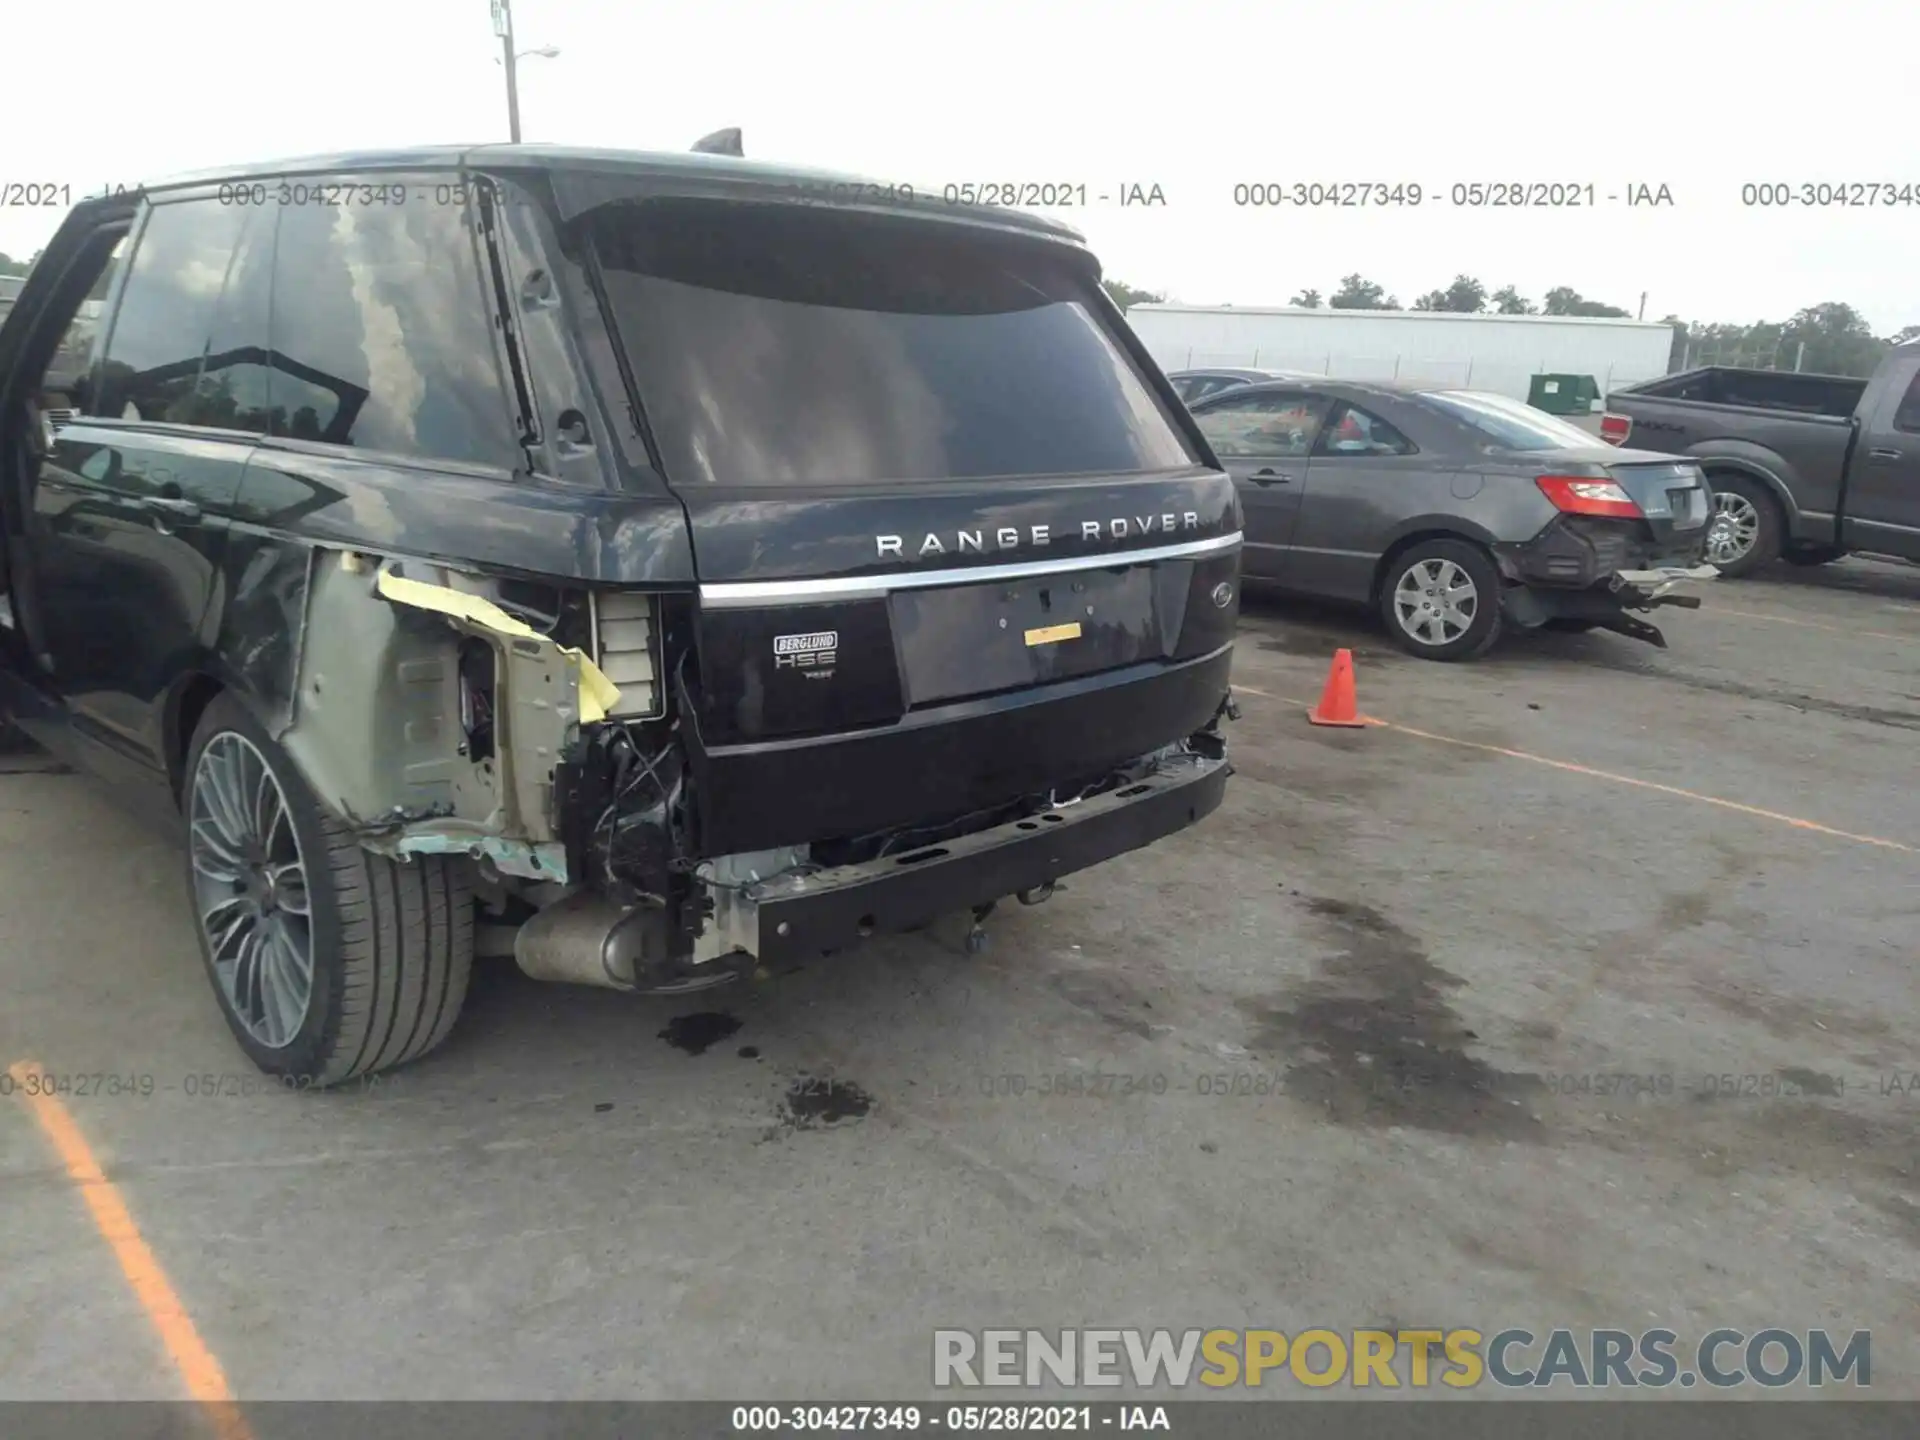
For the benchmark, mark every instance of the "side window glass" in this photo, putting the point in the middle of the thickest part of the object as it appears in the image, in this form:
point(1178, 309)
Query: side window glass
point(1353, 431)
point(1907, 416)
point(1282, 425)
point(152, 366)
point(232, 393)
point(382, 328)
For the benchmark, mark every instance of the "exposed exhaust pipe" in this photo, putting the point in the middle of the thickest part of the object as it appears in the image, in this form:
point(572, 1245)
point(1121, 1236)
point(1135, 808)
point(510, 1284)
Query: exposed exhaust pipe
point(586, 939)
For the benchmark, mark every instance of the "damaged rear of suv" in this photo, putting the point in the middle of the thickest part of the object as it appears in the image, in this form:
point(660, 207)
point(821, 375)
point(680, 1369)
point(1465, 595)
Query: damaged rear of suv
point(676, 563)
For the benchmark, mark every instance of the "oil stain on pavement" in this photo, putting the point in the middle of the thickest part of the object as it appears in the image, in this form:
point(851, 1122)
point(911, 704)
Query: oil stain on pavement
point(696, 1033)
point(812, 1103)
point(1371, 1040)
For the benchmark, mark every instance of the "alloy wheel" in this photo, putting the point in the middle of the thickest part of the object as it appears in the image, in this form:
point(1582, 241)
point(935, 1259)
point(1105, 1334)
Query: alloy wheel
point(1436, 601)
point(1734, 529)
point(250, 889)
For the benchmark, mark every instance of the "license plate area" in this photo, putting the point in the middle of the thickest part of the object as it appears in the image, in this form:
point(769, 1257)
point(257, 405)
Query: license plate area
point(979, 639)
point(1689, 507)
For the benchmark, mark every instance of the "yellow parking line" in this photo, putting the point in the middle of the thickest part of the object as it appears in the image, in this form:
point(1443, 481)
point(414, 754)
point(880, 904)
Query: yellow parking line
point(1807, 624)
point(1571, 768)
point(1567, 765)
point(206, 1382)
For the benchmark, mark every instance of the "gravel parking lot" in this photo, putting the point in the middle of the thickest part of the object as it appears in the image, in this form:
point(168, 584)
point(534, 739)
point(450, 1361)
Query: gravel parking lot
point(1402, 953)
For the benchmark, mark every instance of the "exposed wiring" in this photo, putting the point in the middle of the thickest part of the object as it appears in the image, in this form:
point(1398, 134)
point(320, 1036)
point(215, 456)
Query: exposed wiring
point(631, 770)
point(804, 867)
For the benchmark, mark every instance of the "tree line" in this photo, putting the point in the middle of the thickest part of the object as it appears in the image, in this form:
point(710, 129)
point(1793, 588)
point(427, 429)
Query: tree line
point(1831, 338)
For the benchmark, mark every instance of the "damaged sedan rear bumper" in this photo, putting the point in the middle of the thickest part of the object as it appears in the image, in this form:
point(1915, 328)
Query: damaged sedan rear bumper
point(1610, 599)
point(1599, 570)
point(1647, 588)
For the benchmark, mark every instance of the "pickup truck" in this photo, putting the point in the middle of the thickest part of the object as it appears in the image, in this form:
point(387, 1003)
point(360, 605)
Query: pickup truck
point(1804, 468)
point(691, 564)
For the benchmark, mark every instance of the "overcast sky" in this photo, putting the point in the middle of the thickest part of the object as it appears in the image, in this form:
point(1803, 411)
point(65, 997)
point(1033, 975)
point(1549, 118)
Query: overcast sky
point(1701, 97)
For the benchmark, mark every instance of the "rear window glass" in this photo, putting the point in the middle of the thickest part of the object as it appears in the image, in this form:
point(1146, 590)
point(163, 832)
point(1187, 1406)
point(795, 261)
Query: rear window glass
point(781, 345)
point(1508, 424)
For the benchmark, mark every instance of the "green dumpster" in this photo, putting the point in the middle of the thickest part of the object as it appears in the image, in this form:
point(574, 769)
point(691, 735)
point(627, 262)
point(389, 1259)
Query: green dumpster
point(1563, 394)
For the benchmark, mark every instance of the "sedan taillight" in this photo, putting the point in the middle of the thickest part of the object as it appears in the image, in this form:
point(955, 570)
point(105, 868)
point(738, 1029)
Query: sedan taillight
point(1614, 429)
point(1583, 495)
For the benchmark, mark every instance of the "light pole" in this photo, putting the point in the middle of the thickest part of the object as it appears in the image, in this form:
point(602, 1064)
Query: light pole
point(503, 27)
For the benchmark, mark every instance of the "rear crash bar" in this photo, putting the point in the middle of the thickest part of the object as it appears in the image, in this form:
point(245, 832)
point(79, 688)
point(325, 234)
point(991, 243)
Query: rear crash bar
point(802, 915)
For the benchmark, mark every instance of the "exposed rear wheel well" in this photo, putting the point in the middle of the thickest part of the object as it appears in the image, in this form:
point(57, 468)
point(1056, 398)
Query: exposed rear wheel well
point(189, 704)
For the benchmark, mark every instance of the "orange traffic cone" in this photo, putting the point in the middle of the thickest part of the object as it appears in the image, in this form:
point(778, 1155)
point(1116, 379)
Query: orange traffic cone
point(1338, 703)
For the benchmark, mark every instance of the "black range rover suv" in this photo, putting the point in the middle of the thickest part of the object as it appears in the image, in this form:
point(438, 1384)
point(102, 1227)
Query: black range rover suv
point(688, 561)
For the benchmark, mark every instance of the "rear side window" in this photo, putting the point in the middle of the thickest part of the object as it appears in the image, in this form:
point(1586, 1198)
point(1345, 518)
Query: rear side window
point(180, 263)
point(779, 345)
point(383, 335)
point(1907, 416)
point(1353, 431)
point(1262, 424)
point(1504, 424)
point(231, 393)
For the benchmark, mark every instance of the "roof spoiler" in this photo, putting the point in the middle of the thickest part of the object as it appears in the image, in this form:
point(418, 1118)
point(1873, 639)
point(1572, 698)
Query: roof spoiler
point(720, 142)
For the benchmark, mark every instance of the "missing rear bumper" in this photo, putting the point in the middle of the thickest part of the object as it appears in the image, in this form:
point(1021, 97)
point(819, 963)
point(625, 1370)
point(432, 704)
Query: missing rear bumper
point(1609, 605)
point(802, 914)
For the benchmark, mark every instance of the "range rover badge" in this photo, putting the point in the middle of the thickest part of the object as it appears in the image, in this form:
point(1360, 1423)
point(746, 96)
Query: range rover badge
point(1223, 594)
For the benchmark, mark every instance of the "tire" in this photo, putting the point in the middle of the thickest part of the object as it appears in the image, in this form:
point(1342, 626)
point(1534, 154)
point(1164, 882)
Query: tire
point(1442, 561)
point(1569, 625)
point(389, 946)
point(1814, 555)
point(1750, 516)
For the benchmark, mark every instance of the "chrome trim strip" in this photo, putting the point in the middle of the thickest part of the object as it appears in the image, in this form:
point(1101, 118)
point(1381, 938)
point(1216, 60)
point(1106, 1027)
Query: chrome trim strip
point(734, 594)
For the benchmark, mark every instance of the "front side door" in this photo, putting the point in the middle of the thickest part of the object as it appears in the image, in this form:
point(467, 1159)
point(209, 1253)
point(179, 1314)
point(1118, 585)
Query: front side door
point(131, 507)
point(1364, 478)
point(1882, 504)
point(1264, 437)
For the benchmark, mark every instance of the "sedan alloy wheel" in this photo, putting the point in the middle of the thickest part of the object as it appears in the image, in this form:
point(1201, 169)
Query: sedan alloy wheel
point(1436, 601)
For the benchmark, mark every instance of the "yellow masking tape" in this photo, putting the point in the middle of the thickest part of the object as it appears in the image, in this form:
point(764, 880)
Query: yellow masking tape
point(598, 695)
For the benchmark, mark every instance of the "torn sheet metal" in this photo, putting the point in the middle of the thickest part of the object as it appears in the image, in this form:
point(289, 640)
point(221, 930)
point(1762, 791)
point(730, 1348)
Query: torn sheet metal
point(375, 724)
point(510, 857)
point(379, 730)
point(598, 695)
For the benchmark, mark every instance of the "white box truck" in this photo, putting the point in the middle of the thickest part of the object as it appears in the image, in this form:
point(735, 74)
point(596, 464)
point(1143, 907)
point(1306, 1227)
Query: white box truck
point(1500, 353)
